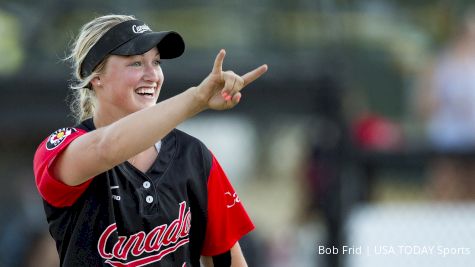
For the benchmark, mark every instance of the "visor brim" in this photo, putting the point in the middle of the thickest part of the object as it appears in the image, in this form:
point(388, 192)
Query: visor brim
point(169, 43)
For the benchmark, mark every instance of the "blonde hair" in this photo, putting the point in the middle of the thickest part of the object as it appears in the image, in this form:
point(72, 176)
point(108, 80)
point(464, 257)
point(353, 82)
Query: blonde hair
point(83, 99)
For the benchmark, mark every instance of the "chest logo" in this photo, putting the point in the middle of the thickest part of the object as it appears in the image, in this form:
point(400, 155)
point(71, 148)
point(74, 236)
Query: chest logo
point(56, 138)
point(141, 248)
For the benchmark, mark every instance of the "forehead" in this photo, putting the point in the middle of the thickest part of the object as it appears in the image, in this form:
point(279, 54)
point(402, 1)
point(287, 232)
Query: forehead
point(152, 53)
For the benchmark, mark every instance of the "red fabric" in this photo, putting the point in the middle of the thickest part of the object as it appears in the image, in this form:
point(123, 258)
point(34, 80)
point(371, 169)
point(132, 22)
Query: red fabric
point(228, 221)
point(51, 189)
point(378, 133)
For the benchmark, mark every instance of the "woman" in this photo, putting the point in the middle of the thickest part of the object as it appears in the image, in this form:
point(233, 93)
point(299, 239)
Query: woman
point(123, 187)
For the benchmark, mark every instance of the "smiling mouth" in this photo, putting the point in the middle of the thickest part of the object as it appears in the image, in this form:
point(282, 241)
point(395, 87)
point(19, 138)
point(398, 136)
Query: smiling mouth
point(149, 92)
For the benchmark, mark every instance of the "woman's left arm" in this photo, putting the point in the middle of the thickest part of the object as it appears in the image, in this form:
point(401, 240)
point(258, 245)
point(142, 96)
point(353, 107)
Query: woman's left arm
point(237, 258)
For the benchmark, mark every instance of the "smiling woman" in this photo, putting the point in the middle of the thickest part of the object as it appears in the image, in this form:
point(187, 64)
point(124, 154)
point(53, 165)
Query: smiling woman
point(128, 83)
point(142, 192)
point(126, 42)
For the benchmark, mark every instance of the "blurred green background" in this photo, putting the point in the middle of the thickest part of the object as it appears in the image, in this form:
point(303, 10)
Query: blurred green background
point(331, 143)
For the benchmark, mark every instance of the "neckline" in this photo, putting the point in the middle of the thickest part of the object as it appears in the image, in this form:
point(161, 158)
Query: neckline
point(157, 147)
point(162, 161)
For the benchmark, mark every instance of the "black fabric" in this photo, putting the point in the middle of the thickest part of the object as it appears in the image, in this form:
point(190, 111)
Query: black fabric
point(222, 260)
point(132, 37)
point(178, 184)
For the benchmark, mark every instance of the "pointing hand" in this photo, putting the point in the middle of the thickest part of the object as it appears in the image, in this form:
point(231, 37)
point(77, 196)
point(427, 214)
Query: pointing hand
point(222, 89)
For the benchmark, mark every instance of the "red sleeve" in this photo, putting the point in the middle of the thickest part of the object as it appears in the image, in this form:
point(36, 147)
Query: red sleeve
point(51, 189)
point(227, 221)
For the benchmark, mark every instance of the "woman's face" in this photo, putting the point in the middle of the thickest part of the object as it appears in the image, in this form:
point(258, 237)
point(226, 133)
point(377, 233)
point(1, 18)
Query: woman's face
point(129, 83)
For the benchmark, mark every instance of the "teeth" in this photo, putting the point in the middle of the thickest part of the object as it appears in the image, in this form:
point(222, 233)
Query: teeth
point(145, 91)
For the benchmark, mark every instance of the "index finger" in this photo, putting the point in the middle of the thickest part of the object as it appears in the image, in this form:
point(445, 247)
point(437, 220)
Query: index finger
point(254, 74)
point(218, 62)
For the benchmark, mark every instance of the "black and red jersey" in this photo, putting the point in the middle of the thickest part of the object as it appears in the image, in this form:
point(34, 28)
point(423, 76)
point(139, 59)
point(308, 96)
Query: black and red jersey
point(181, 208)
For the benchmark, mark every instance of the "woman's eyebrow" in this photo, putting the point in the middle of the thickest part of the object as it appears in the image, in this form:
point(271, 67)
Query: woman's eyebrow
point(131, 57)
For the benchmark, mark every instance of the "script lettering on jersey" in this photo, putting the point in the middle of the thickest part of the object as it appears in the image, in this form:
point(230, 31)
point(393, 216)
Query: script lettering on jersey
point(146, 247)
point(231, 199)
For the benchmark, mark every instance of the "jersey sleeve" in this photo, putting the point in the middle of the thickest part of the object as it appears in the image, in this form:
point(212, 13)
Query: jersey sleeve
point(53, 191)
point(227, 220)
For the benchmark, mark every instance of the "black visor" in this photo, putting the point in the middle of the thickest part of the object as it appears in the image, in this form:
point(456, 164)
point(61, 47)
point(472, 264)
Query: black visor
point(130, 38)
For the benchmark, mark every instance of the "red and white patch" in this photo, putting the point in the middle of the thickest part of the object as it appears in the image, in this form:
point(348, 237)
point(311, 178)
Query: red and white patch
point(56, 138)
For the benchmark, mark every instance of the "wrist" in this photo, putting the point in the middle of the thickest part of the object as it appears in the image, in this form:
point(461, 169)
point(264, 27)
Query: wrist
point(199, 100)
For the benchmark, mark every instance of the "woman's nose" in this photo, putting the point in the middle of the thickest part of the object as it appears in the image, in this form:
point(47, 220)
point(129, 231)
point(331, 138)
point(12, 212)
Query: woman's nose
point(152, 73)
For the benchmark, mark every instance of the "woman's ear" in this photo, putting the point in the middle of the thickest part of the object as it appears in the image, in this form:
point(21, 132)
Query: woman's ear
point(96, 82)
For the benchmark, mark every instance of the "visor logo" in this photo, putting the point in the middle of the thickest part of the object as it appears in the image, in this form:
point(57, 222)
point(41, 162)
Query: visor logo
point(141, 28)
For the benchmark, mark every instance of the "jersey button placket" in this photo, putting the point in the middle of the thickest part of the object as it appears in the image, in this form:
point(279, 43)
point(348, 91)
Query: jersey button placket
point(149, 199)
point(146, 184)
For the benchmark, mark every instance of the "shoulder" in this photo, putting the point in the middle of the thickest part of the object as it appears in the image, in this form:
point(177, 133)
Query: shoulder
point(53, 144)
point(188, 140)
point(193, 146)
point(59, 139)
point(62, 135)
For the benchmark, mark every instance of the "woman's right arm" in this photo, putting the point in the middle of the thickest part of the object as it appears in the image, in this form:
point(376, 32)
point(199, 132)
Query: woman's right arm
point(97, 151)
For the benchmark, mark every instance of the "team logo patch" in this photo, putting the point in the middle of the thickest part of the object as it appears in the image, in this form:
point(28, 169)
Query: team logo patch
point(56, 138)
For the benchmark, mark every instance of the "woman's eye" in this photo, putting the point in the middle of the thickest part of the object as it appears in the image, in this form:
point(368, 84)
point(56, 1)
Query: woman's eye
point(157, 62)
point(136, 64)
